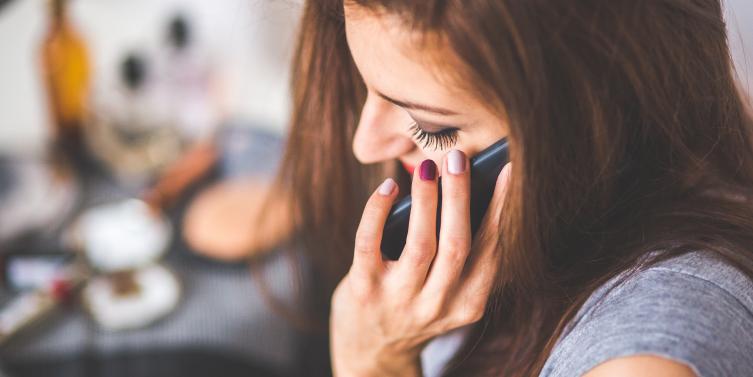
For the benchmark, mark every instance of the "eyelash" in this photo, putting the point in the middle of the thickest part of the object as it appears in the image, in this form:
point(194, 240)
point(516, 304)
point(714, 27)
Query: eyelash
point(436, 140)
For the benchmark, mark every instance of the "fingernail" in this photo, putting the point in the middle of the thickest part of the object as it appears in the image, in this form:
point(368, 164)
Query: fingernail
point(456, 162)
point(428, 170)
point(387, 187)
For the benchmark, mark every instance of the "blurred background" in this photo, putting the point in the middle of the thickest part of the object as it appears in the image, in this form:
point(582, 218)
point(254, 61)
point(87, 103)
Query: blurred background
point(249, 41)
point(138, 140)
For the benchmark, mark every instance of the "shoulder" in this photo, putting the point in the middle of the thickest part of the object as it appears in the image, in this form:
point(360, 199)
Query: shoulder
point(695, 310)
point(642, 365)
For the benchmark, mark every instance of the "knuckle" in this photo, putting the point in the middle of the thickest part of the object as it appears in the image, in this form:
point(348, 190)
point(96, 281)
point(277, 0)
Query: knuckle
point(426, 241)
point(470, 314)
point(365, 241)
point(363, 248)
point(455, 191)
point(419, 256)
point(362, 289)
point(399, 291)
point(370, 212)
point(456, 259)
point(421, 251)
point(424, 200)
point(457, 245)
point(428, 313)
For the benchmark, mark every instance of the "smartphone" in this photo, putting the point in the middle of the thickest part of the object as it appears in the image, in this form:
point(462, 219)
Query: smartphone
point(485, 167)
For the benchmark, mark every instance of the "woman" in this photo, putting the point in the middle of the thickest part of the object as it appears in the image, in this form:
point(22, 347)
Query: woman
point(620, 237)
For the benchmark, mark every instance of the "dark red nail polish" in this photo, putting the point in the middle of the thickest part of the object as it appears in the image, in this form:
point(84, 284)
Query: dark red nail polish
point(428, 170)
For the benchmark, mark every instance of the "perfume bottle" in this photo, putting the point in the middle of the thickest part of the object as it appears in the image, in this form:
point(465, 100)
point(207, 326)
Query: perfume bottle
point(66, 75)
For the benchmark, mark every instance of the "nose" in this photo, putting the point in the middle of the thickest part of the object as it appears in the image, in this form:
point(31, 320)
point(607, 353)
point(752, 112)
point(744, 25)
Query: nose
point(382, 132)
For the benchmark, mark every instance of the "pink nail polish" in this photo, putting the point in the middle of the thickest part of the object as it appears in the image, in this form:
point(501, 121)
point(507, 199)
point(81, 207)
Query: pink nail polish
point(428, 170)
point(455, 162)
point(387, 187)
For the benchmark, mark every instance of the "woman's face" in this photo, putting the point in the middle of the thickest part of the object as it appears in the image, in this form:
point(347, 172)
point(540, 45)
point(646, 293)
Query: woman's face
point(412, 111)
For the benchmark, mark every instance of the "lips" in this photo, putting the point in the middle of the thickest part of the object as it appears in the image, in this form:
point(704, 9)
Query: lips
point(409, 168)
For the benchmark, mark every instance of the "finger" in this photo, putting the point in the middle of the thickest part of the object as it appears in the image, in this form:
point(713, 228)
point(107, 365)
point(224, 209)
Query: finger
point(421, 241)
point(482, 267)
point(367, 257)
point(455, 231)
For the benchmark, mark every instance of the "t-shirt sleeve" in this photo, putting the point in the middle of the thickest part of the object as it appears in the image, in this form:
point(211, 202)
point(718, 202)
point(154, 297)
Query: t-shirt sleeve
point(701, 320)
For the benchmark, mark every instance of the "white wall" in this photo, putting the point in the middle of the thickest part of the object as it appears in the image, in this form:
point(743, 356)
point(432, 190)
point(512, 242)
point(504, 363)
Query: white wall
point(252, 39)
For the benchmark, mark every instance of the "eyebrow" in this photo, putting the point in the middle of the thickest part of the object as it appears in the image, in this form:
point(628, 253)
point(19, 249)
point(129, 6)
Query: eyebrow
point(418, 106)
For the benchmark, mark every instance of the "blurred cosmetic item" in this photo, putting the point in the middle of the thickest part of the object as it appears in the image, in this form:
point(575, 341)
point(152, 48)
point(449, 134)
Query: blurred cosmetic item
point(133, 299)
point(248, 45)
point(25, 271)
point(154, 129)
point(192, 96)
point(123, 243)
point(189, 81)
point(130, 129)
point(122, 235)
point(31, 306)
point(246, 214)
point(66, 71)
point(238, 219)
point(35, 198)
point(23, 311)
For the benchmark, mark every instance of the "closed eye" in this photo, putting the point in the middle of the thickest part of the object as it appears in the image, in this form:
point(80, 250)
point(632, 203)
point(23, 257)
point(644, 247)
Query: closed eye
point(442, 139)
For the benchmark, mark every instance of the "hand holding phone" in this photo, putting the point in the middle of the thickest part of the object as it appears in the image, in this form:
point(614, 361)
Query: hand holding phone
point(427, 291)
point(485, 167)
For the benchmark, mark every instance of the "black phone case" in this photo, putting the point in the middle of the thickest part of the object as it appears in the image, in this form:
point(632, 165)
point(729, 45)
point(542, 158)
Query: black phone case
point(485, 168)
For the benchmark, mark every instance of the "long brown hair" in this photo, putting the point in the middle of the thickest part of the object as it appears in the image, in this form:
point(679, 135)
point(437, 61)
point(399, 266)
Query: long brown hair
point(627, 134)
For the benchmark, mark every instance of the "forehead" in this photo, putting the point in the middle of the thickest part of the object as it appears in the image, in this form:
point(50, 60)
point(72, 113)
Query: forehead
point(400, 62)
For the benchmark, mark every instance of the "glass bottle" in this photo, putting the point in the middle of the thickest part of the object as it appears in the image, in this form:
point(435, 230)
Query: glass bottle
point(66, 71)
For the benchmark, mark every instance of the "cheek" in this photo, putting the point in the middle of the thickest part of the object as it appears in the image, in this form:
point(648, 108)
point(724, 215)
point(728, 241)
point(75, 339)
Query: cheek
point(484, 135)
point(471, 143)
point(463, 143)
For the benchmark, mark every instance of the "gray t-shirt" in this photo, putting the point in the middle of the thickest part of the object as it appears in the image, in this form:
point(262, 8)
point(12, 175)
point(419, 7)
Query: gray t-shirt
point(695, 309)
